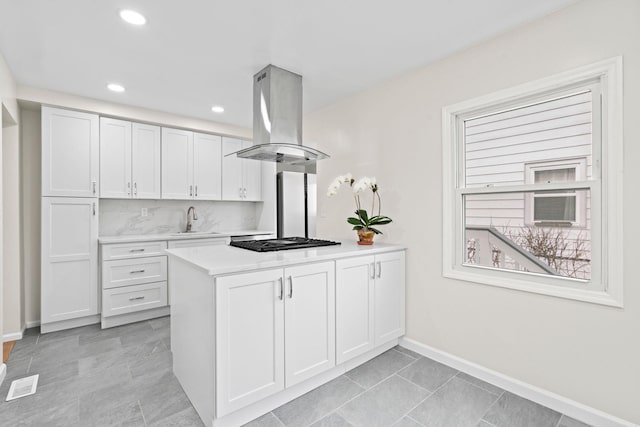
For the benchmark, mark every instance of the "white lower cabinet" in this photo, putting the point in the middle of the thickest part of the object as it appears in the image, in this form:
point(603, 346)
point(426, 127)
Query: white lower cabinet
point(370, 301)
point(269, 320)
point(354, 307)
point(250, 338)
point(134, 281)
point(309, 321)
point(389, 311)
point(126, 272)
point(69, 260)
point(130, 299)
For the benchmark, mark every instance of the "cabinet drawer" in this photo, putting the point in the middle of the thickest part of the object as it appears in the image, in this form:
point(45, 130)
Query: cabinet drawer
point(192, 243)
point(132, 250)
point(126, 272)
point(133, 298)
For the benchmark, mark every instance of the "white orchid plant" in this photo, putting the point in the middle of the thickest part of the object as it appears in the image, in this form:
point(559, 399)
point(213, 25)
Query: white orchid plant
point(362, 220)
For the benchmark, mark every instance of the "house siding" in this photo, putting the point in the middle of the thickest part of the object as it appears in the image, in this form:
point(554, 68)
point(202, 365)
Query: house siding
point(498, 148)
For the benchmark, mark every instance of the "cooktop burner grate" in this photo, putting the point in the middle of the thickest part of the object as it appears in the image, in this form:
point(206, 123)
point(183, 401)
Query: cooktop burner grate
point(270, 245)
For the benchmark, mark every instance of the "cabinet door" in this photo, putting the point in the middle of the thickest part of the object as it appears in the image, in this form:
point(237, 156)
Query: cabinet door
point(389, 296)
point(115, 158)
point(252, 177)
point(249, 339)
point(177, 164)
point(354, 307)
point(207, 167)
point(231, 170)
point(309, 321)
point(146, 161)
point(69, 279)
point(69, 153)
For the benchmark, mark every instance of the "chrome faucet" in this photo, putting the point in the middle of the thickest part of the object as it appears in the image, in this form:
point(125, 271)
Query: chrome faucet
point(191, 216)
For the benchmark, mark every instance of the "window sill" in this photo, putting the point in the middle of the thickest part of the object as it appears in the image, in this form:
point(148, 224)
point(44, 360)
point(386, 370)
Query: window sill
point(507, 280)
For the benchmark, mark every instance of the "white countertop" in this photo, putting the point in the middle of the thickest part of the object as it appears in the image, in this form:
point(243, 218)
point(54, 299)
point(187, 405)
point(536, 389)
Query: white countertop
point(182, 236)
point(218, 260)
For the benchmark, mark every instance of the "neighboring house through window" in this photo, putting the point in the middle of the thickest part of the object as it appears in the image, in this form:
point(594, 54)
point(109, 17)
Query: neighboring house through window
point(556, 208)
point(532, 195)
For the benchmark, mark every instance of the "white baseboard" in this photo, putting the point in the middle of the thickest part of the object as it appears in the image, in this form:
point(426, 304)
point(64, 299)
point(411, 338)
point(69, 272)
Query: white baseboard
point(551, 400)
point(32, 324)
point(3, 372)
point(68, 324)
point(13, 336)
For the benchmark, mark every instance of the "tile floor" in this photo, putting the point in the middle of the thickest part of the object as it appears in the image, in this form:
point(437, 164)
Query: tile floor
point(122, 377)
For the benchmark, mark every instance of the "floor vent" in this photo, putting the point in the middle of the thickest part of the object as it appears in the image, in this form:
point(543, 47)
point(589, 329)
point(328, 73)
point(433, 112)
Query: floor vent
point(23, 387)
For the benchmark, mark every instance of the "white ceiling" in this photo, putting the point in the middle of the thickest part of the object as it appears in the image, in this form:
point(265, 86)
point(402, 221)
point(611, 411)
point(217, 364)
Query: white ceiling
point(193, 54)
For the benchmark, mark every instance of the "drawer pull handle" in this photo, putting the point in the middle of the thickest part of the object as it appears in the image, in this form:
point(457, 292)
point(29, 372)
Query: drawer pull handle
point(291, 288)
point(135, 298)
point(137, 250)
point(136, 271)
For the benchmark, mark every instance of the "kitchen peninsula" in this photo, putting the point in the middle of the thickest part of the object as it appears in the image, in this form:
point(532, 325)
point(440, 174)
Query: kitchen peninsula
point(251, 331)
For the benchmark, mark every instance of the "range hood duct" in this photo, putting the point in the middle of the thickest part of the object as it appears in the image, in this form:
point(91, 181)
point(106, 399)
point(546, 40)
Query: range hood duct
point(277, 119)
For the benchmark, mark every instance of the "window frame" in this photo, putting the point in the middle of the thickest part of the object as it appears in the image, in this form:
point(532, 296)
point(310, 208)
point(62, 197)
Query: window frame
point(606, 286)
point(579, 164)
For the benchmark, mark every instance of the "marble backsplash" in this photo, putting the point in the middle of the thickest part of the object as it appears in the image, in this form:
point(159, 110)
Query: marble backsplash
point(123, 217)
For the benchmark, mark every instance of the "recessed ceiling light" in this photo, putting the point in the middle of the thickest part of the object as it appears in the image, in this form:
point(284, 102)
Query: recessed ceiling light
point(115, 87)
point(217, 109)
point(133, 17)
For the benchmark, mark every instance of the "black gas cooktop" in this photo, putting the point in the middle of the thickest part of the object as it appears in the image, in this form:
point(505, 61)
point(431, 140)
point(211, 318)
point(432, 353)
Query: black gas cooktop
point(270, 245)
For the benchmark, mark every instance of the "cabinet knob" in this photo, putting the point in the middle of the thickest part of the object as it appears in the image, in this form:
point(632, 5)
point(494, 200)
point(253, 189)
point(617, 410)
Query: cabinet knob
point(135, 189)
point(94, 184)
point(191, 191)
point(196, 190)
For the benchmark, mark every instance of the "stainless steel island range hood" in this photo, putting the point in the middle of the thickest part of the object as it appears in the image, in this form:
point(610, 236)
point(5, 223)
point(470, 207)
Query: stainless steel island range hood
point(277, 137)
point(277, 119)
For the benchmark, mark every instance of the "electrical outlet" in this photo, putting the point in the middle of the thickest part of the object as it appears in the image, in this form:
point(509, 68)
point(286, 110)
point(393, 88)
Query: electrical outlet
point(144, 212)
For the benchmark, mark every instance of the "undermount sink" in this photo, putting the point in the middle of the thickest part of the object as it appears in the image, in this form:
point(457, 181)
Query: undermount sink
point(193, 233)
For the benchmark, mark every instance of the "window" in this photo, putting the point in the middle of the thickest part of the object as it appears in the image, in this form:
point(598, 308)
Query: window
point(564, 208)
point(532, 186)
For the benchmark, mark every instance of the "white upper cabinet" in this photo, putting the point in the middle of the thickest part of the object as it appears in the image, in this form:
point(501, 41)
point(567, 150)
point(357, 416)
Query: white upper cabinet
point(115, 158)
point(177, 164)
point(129, 160)
point(241, 178)
point(207, 167)
point(69, 281)
point(231, 170)
point(191, 165)
point(252, 175)
point(145, 158)
point(70, 157)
